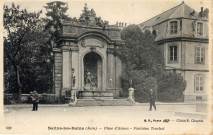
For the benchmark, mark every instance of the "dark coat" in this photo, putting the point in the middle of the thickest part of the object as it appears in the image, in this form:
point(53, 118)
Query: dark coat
point(35, 98)
point(152, 96)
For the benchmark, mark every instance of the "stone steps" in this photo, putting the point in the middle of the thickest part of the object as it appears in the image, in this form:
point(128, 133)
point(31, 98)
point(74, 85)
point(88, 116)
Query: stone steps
point(86, 94)
point(103, 102)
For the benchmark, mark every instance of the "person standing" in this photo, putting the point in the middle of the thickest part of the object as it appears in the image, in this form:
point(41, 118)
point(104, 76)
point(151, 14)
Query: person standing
point(35, 100)
point(152, 97)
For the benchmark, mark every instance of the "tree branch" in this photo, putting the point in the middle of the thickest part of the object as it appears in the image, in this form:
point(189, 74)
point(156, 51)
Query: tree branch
point(8, 29)
point(19, 43)
point(10, 59)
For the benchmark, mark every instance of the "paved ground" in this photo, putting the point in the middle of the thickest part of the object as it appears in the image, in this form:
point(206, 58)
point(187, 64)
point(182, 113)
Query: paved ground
point(102, 118)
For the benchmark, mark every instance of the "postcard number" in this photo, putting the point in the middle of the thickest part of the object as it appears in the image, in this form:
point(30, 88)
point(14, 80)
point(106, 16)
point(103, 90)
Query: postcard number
point(8, 127)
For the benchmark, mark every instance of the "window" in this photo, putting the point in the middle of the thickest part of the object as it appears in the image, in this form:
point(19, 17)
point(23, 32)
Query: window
point(199, 53)
point(200, 28)
point(173, 53)
point(199, 83)
point(173, 27)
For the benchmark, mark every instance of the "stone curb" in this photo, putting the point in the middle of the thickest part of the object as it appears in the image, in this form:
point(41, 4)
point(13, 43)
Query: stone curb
point(191, 114)
point(64, 105)
point(40, 105)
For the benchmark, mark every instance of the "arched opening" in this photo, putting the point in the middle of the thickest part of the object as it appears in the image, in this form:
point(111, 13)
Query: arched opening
point(93, 75)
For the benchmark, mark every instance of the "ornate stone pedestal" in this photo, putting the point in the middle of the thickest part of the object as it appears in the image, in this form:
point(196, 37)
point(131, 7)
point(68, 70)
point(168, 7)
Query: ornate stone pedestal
point(131, 95)
point(95, 95)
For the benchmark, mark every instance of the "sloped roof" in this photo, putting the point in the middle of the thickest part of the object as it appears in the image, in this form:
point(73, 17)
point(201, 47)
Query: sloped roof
point(180, 11)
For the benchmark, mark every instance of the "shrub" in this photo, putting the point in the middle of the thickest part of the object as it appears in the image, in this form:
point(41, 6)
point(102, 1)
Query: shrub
point(141, 82)
point(8, 99)
point(144, 64)
point(47, 99)
point(171, 87)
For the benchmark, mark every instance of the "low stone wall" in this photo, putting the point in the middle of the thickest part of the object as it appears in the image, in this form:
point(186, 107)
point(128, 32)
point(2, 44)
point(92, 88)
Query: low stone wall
point(8, 99)
point(48, 99)
point(25, 98)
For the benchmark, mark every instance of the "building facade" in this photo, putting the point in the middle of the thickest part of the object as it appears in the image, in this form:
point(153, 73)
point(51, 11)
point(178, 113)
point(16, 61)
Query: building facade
point(182, 35)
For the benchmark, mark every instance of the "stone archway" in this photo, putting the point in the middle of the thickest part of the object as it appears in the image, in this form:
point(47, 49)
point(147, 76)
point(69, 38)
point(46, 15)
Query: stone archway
point(93, 72)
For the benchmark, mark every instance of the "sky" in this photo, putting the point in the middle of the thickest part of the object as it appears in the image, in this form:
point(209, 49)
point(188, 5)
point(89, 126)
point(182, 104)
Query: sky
point(127, 11)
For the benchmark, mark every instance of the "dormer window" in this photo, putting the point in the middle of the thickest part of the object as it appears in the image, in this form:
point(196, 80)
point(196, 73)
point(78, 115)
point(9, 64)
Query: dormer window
point(200, 28)
point(173, 27)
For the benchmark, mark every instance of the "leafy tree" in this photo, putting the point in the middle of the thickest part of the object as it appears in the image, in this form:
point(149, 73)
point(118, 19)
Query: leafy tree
point(19, 24)
point(140, 51)
point(144, 64)
point(142, 61)
point(27, 57)
point(37, 69)
point(56, 14)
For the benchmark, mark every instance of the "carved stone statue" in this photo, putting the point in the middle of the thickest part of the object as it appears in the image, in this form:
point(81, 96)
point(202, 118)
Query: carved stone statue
point(73, 82)
point(88, 17)
point(88, 81)
point(88, 77)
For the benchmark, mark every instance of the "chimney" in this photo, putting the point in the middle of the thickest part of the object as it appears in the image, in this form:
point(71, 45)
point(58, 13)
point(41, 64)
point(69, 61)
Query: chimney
point(206, 13)
point(201, 12)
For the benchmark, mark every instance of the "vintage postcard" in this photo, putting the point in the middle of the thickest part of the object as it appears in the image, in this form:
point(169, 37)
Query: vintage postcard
point(106, 67)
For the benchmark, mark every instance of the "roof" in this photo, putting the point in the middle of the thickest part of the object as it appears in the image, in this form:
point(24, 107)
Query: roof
point(180, 11)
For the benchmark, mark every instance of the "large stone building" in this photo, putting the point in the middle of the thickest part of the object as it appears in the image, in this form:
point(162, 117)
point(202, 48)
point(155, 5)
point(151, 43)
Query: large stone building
point(85, 60)
point(182, 35)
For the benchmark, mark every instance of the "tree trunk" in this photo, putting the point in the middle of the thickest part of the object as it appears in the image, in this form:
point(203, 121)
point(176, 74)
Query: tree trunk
point(19, 84)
